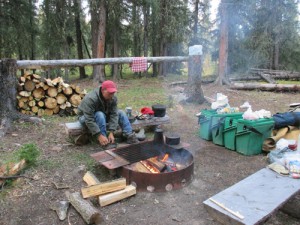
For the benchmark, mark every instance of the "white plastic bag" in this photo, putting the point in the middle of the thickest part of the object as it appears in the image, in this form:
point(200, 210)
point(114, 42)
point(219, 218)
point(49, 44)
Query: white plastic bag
point(221, 101)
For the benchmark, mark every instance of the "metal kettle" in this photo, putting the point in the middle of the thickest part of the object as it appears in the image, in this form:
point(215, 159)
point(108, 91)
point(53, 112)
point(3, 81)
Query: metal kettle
point(158, 136)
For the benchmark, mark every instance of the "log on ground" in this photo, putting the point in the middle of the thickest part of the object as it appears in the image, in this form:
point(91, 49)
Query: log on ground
point(85, 208)
point(103, 188)
point(266, 87)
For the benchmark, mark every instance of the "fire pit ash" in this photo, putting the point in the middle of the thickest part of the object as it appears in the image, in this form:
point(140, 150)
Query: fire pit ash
point(169, 169)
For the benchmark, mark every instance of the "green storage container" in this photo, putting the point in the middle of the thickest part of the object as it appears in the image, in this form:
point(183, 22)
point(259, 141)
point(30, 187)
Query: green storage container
point(229, 132)
point(204, 121)
point(218, 125)
point(250, 135)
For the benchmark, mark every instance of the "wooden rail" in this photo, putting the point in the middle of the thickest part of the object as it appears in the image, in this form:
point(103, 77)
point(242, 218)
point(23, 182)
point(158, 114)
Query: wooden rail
point(36, 64)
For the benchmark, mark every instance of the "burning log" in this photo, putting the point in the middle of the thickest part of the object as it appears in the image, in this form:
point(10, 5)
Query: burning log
point(170, 164)
point(157, 164)
point(148, 165)
point(138, 166)
point(85, 208)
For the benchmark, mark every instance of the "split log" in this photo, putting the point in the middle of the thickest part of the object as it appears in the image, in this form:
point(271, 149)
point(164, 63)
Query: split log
point(61, 98)
point(157, 164)
point(90, 178)
point(29, 85)
point(103, 188)
point(11, 169)
point(24, 93)
point(139, 167)
point(50, 103)
point(38, 93)
point(52, 92)
point(48, 112)
point(117, 196)
point(68, 90)
point(109, 198)
point(149, 166)
point(266, 87)
point(48, 94)
point(85, 208)
point(75, 99)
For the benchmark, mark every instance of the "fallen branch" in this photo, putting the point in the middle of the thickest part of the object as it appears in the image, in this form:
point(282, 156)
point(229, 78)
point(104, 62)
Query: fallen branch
point(14, 177)
point(60, 186)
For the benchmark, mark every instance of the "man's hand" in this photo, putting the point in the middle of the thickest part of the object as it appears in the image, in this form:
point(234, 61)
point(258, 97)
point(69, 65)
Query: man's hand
point(111, 137)
point(103, 140)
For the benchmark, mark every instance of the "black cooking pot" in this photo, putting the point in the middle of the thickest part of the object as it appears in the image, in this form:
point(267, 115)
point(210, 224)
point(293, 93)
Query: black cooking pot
point(172, 138)
point(159, 110)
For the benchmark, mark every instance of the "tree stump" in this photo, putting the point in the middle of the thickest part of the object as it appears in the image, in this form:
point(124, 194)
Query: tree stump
point(193, 89)
point(8, 92)
point(8, 96)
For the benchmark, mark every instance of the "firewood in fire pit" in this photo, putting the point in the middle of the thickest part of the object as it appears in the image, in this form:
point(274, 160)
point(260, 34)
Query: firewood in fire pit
point(154, 162)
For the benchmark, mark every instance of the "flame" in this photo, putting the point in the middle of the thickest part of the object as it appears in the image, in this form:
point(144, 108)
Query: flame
point(165, 158)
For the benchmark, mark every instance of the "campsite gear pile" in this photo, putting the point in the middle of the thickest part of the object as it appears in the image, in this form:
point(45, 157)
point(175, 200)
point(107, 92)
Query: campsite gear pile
point(251, 132)
point(226, 126)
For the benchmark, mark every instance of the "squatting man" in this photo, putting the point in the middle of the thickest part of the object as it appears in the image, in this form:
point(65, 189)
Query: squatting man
point(99, 112)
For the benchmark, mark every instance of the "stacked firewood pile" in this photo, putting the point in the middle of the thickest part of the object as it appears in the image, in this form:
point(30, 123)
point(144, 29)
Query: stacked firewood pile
point(41, 96)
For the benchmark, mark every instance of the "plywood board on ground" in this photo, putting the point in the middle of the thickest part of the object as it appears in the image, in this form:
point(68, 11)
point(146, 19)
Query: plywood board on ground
point(256, 198)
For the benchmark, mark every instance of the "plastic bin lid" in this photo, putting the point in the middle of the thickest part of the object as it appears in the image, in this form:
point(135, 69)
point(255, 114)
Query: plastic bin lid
point(256, 122)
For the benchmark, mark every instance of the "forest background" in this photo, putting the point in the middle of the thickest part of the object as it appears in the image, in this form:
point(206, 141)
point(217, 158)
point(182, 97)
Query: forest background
point(261, 33)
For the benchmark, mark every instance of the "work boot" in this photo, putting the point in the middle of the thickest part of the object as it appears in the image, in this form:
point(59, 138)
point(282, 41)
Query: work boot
point(81, 139)
point(131, 138)
point(141, 135)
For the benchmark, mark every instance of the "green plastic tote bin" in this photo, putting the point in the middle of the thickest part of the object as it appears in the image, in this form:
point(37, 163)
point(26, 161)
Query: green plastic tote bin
point(250, 135)
point(218, 125)
point(229, 132)
point(204, 120)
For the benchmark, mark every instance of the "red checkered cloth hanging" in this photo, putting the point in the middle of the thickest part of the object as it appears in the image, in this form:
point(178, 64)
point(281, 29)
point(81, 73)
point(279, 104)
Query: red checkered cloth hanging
point(139, 64)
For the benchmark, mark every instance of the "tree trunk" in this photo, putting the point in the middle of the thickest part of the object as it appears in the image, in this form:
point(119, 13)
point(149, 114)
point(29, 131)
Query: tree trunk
point(8, 100)
point(193, 89)
point(162, 40)
point(99, 73)
point(195, 27)
point(116, 49)
point(78, 36)
point(94, 29)
point(223, 52)
point(146, 16)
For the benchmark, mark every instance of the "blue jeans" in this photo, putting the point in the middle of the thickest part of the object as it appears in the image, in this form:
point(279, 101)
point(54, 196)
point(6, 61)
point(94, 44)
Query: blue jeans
point(100, 119)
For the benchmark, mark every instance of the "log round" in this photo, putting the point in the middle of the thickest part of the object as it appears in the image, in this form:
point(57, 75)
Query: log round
point(50, 103)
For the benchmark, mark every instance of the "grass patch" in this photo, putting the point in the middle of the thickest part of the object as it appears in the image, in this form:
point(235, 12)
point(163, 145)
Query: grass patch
point(50, 164)
point(30, 153)
point(85, 159)
point(139, 93)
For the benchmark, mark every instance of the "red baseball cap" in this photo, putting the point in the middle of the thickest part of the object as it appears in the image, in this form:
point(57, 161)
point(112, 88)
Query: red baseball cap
point(110, 86)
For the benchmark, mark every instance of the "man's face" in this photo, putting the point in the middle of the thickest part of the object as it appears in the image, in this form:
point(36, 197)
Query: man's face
point(107, 96)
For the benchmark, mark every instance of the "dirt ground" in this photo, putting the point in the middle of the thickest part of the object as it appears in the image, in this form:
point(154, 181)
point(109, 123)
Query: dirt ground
point(62, 166)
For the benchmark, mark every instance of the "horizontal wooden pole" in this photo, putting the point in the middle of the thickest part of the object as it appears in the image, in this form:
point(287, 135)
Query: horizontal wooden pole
point(36, 64)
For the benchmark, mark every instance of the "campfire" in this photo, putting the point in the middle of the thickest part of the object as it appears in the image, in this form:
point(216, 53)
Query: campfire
point(159, 164)
point(169, 170)
point(150, 166)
